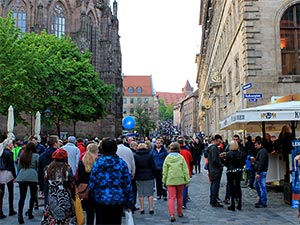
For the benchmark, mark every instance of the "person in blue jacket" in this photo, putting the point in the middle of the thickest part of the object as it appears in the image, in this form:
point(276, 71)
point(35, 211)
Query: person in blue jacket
point(159, 154)
point(110, 185)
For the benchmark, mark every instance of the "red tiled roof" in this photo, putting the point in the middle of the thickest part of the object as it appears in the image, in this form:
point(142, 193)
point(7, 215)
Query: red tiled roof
point(170, 98)
point(145, 82)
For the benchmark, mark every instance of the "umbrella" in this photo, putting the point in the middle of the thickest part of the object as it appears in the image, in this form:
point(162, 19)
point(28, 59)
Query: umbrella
point(10, 123)
point(37, 126)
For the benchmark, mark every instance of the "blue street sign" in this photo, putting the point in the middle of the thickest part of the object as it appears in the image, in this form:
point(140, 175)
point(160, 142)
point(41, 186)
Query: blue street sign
point(252, 99)
point(253, 95)
point(247, 86)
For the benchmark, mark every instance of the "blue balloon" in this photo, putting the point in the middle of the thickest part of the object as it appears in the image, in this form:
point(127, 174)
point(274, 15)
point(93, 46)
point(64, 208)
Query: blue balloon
point(128, 122)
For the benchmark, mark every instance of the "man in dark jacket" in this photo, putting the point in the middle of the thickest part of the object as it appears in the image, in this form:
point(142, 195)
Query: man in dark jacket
point(44, 160)
point(215, 170)
point(159, 154)
point(261, 167)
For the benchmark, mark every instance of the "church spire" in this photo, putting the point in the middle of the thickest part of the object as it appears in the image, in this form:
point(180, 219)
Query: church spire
point(115, 8)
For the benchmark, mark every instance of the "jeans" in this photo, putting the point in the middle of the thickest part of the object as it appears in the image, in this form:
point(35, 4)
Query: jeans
point(23, 192)
point(261, 187)
point(214, 188)
point(10, 187)
point(185, 194)
point(227, 192)
point(159, 185)
point(234, 182)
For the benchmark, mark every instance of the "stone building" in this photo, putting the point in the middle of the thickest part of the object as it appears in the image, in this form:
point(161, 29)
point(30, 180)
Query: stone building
point(188, 109)
point(139, 92)
point(177, 104)
point(92, 24)
point(246, 41)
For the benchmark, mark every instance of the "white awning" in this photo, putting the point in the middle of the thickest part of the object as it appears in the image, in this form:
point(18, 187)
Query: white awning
point(274, 115)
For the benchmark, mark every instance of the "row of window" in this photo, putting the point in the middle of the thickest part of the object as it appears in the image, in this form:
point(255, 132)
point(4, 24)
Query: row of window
point(58, 21)
point(131, 90)
point(132, 111)
point(138, 100)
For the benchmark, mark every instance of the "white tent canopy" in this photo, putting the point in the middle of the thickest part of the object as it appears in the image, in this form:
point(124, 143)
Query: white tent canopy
point(274, 115)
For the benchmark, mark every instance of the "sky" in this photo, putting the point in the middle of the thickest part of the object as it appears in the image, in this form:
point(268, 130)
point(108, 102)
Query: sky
point(160, 38)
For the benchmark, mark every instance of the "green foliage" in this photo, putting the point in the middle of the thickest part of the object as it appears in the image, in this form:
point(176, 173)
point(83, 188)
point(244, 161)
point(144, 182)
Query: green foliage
point(165, 112)
point(39, 71)
point(144, 124)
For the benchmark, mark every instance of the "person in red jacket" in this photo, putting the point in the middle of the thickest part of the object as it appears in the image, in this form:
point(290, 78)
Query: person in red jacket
point(185, 152)
point(81, 146)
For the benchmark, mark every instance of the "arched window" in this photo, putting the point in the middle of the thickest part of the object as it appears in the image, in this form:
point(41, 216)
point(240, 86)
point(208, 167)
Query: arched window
point(139, 90)
point(290, 40)
point(89, 32)
point(130, 90)
point(20, 16)
point(58, 21)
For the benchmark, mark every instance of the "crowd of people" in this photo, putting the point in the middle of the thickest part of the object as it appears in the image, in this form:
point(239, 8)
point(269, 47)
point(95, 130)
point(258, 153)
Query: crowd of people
point(120, 171)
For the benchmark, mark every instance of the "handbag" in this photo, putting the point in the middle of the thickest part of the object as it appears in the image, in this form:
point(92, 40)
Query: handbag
point(79, 211)
point(83, 191)
point(129, 218)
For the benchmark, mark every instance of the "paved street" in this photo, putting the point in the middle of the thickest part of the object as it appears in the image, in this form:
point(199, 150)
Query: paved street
point(199, 211)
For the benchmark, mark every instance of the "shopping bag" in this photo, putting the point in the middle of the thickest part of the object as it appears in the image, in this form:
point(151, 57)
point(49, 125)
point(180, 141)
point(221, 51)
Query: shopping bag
point(79, 211)
point(129, 218)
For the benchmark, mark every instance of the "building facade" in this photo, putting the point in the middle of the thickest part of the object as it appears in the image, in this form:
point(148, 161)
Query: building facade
point(139, 92)
point(246, 42)
point(93, 25)
point(188, 110)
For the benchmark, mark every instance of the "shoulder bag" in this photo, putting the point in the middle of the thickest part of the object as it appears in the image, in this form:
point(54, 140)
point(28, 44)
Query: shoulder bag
point(83, 191)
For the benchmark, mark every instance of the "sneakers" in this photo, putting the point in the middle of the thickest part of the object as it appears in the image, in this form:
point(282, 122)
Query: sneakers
point(165, 198)
point(183, 207)
point(218, 205)
point(258, 203)
point(172, 219)
point(226, 201)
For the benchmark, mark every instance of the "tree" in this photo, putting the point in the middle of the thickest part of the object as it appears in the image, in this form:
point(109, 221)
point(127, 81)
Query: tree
point(144, 124)
point(165, 112)
point(11, 89)
point(49, 72)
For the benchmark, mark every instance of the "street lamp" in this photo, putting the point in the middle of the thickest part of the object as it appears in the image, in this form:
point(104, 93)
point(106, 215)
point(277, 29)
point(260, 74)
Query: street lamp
point(47, 113)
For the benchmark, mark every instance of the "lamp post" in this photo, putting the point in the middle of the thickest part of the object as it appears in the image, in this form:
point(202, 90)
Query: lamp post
point(30, 122)
point(47, 113)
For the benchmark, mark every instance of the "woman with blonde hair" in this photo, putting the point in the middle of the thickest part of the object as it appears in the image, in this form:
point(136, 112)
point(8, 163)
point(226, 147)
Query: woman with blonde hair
point(84, 171)
point(234, 161)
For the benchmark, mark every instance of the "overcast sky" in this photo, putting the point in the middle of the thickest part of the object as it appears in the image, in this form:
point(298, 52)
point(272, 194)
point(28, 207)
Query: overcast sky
point(160, 38)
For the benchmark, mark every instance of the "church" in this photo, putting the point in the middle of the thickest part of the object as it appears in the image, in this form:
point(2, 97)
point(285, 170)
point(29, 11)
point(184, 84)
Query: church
point(93, 25)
